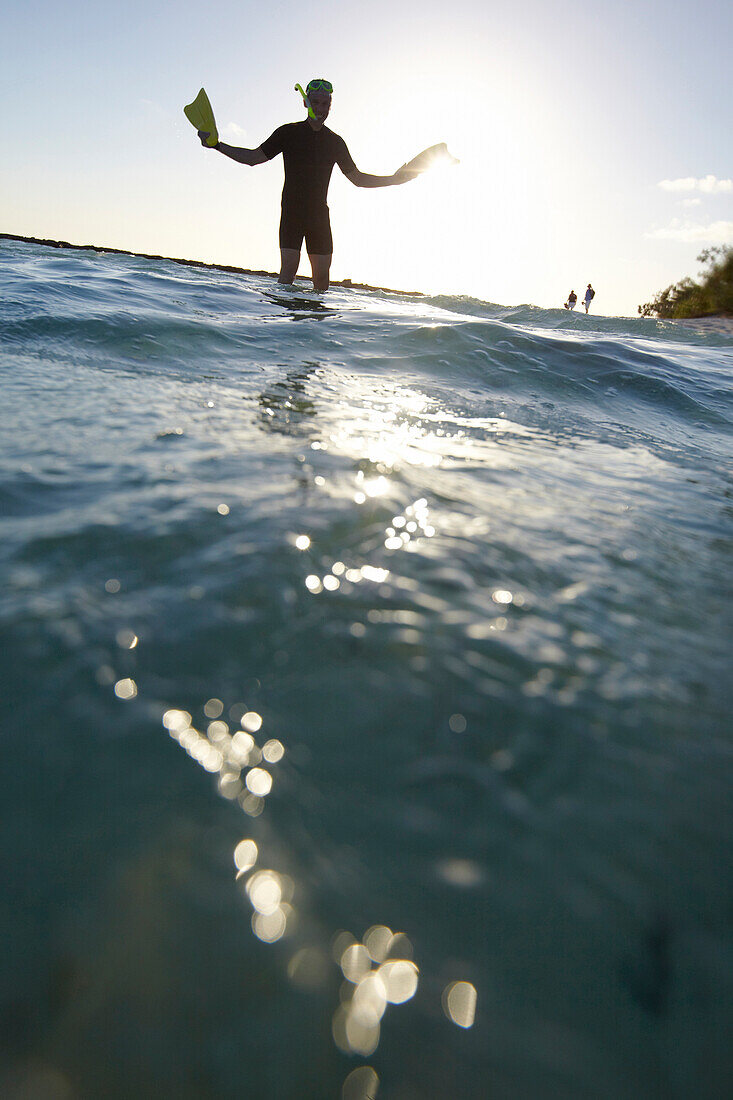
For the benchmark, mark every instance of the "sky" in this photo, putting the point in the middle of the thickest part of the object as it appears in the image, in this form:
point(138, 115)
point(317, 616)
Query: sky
point(595, 139)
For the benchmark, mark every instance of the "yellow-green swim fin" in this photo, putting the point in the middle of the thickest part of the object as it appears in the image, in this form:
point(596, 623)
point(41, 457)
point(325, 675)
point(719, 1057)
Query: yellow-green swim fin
point(200, 115)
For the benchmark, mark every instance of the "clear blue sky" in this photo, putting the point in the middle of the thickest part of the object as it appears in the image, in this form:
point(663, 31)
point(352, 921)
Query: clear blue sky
point(566, 122)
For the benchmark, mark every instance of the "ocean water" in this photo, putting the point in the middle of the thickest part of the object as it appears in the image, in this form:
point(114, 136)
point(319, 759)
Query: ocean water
point(366, 709)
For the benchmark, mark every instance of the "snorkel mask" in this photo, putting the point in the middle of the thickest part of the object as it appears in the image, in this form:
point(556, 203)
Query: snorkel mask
point(318, 85)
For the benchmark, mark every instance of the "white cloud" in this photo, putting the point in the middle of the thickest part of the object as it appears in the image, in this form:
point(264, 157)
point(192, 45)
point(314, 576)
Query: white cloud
point(691, 233)
point(709, 185)
point(712, 186)
point(688, 184)
point(691, 202)
point(232, 130)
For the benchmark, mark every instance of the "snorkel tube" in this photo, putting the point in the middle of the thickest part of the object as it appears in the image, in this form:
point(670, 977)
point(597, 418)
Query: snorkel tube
point(306, 101)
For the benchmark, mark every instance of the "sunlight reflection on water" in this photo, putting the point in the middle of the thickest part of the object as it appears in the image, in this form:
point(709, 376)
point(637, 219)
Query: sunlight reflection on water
point(378, 971)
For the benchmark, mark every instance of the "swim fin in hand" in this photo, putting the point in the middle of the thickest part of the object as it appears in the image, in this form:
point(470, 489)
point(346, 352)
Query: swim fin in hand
point(436, 154)
point(200, 115)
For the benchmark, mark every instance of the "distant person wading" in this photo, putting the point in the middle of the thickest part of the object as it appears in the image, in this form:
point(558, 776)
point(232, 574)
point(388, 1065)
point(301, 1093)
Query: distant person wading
point(573, 298)
point(589, 296)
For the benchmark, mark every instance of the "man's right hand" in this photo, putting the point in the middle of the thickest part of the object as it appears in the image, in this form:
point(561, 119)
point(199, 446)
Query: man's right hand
point(203, 134)
point(404, 175)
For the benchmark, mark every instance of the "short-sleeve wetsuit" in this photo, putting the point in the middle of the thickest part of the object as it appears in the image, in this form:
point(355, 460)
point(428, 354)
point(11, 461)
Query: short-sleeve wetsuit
point(309, 156)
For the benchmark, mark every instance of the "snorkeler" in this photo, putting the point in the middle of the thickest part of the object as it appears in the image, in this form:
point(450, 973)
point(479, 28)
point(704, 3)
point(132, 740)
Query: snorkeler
point(589, 296)
point(309, 151)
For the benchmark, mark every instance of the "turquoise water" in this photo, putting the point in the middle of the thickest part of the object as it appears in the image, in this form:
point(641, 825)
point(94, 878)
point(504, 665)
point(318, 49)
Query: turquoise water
point(426, 598)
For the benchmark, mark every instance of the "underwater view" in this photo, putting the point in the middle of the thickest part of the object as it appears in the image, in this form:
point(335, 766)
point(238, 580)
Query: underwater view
point(366, 665)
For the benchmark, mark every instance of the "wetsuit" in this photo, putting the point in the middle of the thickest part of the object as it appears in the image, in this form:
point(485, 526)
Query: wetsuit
point(309, 157)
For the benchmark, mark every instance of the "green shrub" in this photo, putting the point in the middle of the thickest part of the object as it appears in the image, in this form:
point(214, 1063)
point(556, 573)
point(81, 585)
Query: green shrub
point(713, 294)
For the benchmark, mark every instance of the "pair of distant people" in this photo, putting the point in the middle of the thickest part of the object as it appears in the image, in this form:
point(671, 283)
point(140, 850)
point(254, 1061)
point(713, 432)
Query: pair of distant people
point(573, 298)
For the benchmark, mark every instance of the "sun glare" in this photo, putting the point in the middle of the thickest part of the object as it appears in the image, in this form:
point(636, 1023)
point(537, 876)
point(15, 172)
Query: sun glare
point(480, 227)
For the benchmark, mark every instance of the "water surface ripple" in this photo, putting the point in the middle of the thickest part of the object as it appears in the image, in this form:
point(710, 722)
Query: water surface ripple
point(367, 692)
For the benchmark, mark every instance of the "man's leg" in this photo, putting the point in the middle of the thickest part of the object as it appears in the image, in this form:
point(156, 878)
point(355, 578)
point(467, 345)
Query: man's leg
point(321, 266)
point(289, 260)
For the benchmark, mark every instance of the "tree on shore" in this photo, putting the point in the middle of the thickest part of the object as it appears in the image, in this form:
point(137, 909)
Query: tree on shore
point(713, 294)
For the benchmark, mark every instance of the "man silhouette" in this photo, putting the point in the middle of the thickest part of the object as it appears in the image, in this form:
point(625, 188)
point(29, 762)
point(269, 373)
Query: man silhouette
point(309, 151)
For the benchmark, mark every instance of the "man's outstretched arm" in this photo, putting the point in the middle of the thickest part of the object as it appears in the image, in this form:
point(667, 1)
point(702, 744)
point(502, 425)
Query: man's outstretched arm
point(363, 179)
point(242, 156)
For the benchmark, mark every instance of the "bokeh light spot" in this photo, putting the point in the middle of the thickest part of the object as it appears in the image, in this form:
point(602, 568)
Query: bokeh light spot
point(269, 927)
point(176, 721)
point(245, 855)
point(259, 782)
point(377, 940)
point(399, 978)
point(264, 891)
point(459, 1003)
point(273, 751)
point(460, 872)
point(126, 689)
point(355, 962)
point(361, 1084)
